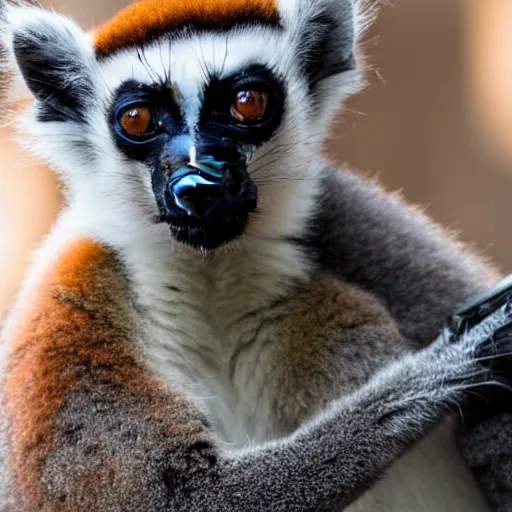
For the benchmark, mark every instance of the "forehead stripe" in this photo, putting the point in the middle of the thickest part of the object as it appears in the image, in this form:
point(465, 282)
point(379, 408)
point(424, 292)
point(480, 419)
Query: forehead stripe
point(146, 20)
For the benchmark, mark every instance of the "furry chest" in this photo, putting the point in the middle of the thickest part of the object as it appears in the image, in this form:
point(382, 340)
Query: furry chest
point(189, 351)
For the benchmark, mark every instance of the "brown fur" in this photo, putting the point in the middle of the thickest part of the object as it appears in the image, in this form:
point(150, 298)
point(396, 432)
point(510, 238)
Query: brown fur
point(333, 338)
point(77, 331)
point(146, 20)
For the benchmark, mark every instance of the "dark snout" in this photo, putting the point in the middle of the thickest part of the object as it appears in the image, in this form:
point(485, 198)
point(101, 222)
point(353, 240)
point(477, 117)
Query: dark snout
point(208, 194)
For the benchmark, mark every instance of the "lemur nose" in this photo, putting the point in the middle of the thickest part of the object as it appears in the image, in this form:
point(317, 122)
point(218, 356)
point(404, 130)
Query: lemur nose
point(211, 178)
point(202, 185)
point(195, 194)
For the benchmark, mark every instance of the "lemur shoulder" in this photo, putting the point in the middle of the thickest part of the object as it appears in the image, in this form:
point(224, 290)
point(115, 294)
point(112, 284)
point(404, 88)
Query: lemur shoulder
point(217, 321)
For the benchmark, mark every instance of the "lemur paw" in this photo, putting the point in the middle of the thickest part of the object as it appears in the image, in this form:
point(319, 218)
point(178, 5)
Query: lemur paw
point(461, 359)
point(488, 318)
point(487, 335)
point(482, 353)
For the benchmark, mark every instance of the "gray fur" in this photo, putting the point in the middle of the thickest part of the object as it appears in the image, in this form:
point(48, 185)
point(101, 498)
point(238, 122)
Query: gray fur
point(487, 447)
point(373, 239)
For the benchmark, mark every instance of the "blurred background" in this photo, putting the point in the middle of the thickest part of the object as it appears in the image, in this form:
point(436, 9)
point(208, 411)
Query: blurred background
point(435, 121)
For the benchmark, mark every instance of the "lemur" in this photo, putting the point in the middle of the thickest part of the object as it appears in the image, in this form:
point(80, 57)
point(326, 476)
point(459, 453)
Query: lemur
point(217, 321)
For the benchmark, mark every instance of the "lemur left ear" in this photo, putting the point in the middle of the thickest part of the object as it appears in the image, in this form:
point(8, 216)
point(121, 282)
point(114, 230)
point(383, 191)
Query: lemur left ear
point(325, 32)
point(54, 57)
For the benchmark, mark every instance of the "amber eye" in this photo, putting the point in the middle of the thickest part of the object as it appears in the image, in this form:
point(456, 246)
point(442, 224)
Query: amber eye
point(137, 121)
point(249, 105)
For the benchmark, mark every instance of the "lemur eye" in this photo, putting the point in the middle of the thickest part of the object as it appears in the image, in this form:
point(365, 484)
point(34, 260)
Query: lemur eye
point(137, 121)
point(249, 105)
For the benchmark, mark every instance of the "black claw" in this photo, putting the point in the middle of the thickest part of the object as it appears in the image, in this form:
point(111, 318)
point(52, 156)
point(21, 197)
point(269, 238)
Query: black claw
point(481, 307)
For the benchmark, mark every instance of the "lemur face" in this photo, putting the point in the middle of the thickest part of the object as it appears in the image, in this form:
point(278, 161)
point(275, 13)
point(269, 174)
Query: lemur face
point(196, 133)
point(205, 116)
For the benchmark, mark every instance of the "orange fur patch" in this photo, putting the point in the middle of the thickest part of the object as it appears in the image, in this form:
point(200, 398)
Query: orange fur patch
point(72, 324)
point(36, 386)
point(146, 20)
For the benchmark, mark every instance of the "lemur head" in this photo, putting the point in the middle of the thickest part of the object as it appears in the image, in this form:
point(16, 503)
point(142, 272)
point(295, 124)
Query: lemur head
point(204, 115)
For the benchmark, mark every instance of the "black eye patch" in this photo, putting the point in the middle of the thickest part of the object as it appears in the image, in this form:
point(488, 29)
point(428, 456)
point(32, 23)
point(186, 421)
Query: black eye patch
point(216, 120)
point(220, 94)
point(166, 118)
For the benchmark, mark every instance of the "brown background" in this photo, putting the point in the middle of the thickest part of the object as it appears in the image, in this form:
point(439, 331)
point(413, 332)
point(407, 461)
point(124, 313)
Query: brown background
point(435, 122)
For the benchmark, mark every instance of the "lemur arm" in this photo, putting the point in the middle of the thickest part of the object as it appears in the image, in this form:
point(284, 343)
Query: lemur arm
point(375, 240)
point(87, 427)
point(371, 238)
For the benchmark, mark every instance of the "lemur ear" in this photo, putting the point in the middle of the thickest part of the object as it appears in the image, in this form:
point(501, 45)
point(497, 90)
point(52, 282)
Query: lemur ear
point(326, 33)
point(54, 57)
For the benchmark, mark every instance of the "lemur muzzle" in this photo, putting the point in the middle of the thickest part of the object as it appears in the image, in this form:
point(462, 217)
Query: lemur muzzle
point(215, 181)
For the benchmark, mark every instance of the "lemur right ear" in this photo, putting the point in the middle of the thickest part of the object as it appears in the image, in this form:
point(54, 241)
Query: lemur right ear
point(325, 33)
point(54, 57)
